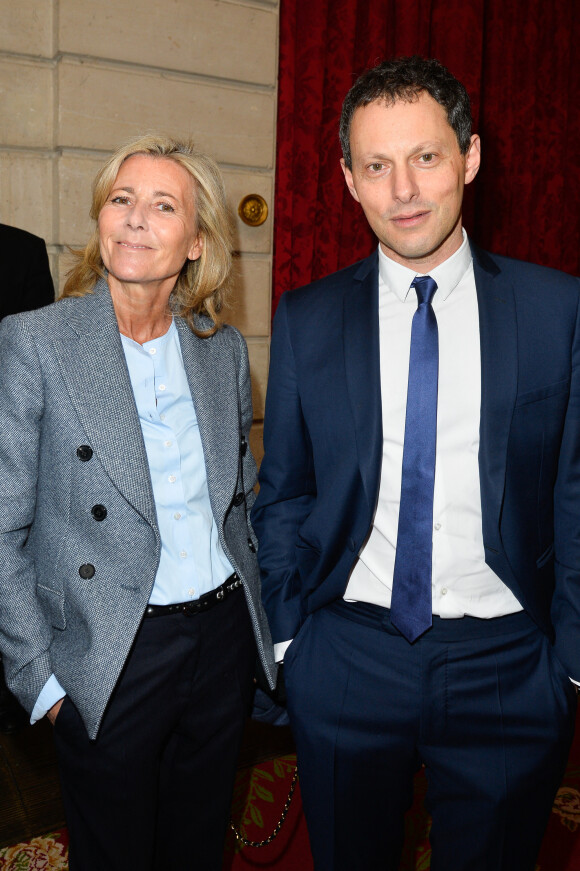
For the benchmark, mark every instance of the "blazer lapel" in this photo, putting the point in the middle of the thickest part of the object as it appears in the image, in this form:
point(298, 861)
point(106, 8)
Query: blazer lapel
point(362, 361)
point(499, 372)
point(210, 365)
point(93, 366)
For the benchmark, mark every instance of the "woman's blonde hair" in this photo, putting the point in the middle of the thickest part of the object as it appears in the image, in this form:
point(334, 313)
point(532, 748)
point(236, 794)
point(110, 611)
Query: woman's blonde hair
point(202, 284)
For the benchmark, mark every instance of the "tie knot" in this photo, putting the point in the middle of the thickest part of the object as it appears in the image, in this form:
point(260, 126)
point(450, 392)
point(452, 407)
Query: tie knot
point(425, 287)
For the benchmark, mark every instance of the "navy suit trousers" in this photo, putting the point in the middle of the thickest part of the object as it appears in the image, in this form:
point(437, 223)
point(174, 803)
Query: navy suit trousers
point(483, 704)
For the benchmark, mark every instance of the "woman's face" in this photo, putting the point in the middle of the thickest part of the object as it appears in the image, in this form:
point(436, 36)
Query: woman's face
point(148, 226)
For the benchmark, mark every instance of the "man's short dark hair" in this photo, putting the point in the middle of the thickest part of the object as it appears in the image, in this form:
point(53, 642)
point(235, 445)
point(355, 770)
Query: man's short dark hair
point(404, 78)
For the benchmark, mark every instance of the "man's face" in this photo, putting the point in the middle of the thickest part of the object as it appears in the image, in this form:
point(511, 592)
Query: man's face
point(408, 175)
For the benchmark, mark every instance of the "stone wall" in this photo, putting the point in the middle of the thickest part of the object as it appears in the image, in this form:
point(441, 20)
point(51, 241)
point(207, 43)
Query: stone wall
point(79, 77)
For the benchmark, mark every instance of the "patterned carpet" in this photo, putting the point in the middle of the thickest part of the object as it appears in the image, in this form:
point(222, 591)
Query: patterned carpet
point(259, 798)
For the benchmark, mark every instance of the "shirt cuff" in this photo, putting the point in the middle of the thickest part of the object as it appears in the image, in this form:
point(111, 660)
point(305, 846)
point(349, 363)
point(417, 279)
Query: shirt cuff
point(50, 694)
point(280, 649)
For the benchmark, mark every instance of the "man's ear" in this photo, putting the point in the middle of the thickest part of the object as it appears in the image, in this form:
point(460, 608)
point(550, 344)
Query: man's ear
point(472, 158)
point(348, 179)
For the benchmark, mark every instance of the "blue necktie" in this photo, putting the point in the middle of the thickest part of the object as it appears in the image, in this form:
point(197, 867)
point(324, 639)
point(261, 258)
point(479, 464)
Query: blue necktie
point(411, 610)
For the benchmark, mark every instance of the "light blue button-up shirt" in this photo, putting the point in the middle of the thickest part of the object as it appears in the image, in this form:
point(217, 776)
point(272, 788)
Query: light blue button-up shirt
point(192, 559)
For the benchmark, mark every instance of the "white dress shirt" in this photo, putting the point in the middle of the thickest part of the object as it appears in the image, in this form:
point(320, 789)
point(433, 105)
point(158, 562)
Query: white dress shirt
point(462, 582)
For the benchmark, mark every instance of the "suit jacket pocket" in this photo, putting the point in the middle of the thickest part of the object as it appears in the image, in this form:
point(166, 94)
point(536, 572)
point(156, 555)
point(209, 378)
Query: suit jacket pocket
point(541, 393)
point(52, 602)
point(308, 560)
point(545, 556)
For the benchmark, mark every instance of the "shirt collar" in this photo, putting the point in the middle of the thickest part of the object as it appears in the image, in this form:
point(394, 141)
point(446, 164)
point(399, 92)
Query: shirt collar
point(159, 342)
point(448, 274)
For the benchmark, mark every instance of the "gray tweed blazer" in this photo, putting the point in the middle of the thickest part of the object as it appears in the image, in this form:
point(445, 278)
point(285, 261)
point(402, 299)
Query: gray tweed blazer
point(64, 383)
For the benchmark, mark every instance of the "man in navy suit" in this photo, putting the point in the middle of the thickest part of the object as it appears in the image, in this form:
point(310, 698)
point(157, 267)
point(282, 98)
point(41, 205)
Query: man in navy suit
point(419, 510)
point(27, 282)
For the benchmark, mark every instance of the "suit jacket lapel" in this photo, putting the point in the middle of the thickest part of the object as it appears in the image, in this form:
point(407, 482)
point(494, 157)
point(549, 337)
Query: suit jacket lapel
point(362, 361)
point(211, 370)
point(93, 366)
point(499, 372)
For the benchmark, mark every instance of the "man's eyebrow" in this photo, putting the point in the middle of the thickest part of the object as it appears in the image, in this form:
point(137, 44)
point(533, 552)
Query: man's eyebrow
point(427, 146)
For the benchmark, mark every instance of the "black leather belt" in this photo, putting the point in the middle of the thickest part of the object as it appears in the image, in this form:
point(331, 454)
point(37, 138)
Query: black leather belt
point(196, 606)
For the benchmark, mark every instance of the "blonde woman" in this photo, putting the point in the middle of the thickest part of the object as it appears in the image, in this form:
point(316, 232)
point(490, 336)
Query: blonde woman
point(131, 612)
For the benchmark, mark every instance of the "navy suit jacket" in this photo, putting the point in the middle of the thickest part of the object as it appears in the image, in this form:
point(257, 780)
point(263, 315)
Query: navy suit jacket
point(320, 475)
point(27, 282)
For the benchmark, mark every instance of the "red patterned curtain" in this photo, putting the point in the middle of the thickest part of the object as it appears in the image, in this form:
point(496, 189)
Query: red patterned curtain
point(520, 61)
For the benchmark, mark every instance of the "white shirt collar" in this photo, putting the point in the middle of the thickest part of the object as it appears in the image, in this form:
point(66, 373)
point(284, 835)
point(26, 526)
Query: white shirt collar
point(448, 274)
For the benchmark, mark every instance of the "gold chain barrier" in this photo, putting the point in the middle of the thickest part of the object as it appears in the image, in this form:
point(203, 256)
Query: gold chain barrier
point(245, 842)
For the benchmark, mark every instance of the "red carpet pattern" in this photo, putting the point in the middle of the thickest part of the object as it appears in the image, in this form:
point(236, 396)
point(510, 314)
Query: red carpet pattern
point(259, 797)
point(48, 853)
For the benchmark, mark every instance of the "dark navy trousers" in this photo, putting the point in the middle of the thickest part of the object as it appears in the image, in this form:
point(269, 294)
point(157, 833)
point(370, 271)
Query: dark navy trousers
point(483, 704)
point(153, 791)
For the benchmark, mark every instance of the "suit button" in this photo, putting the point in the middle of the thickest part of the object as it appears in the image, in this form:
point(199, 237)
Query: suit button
point(99, 512)
point(84, 453)
point(87, 571)
point(238, 499)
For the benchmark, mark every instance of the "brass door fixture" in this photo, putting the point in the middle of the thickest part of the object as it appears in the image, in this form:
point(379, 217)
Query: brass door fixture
point(253, 210)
